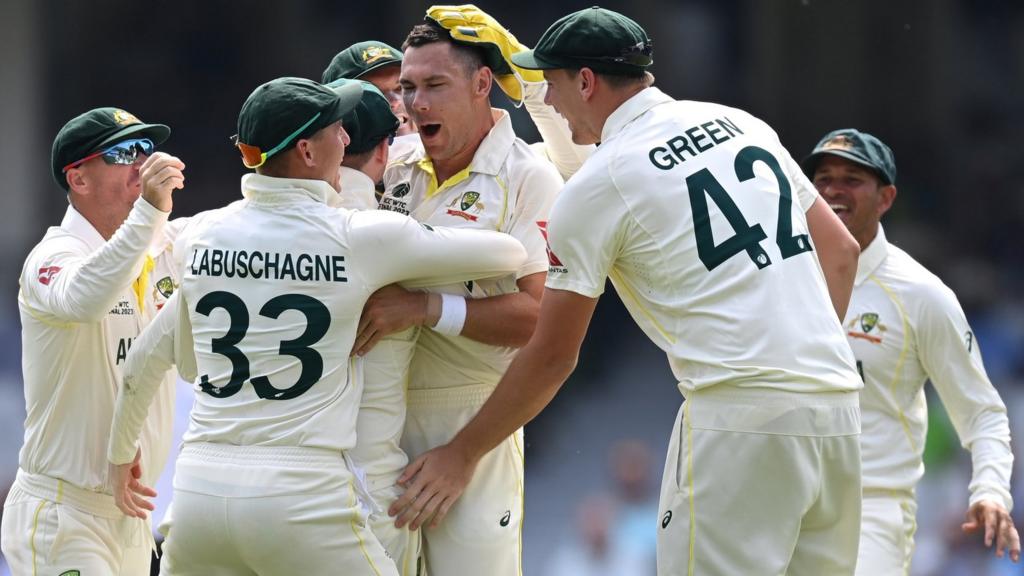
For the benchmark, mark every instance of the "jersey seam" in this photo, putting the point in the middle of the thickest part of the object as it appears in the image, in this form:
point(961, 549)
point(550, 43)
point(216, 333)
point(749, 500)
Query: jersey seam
point(636, 222)
point(901, 359)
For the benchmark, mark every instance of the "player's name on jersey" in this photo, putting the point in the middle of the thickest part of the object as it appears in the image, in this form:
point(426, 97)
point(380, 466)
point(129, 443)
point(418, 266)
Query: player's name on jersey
point(692, 142)
point(268, 265)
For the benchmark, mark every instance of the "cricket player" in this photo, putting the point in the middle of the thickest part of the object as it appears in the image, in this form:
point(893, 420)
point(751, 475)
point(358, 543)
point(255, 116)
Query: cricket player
point(377, 63)
point(378, 454)
point(906, 327)
point(264, 323)
point(727, 258)
point(469, 171)
point(86, 293)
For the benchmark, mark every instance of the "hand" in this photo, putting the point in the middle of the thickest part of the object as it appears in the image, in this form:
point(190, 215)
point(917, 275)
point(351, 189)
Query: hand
point(130, 494)
point(490, 35)
point(390, 309)
point(433, 482)
point(161, 174)
point(998, 525)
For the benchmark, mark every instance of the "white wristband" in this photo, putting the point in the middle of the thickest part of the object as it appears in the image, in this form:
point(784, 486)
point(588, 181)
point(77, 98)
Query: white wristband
point(453, 315)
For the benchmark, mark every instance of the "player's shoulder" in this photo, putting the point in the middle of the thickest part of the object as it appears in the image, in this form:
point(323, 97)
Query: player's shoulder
point(920, 288)
point(57, 242)
point(204, 221)
point(525, 161)
point(701, 119)
point(406, 150)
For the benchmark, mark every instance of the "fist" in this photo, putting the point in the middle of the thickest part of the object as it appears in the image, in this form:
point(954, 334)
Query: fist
point(160, 175)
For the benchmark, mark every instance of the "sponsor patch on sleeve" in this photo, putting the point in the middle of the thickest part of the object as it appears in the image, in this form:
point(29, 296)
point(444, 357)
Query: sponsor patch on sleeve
point(554, 264)
point(47, 273)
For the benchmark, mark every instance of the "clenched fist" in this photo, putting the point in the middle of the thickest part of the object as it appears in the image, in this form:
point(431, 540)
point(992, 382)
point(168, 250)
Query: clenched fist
point(161, 174)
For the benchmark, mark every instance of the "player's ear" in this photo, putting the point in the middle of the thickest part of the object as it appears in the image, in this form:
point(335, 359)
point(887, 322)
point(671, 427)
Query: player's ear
point(482, 81)
point(887, 195)
point(304, 148)
point(586, 82)
point(76, 181)
point(380, 153)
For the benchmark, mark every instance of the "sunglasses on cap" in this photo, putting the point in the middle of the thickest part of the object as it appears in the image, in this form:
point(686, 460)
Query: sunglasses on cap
point(123, 153)
point(253, 157)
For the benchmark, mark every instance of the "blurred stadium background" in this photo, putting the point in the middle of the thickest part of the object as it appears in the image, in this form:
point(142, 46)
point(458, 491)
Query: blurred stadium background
point(940, 81)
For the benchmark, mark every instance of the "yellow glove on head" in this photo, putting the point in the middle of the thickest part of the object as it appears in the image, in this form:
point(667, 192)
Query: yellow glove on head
point(470, 25)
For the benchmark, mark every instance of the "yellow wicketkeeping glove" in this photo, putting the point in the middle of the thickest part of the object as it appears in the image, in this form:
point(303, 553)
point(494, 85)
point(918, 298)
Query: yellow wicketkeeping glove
point(470, 25)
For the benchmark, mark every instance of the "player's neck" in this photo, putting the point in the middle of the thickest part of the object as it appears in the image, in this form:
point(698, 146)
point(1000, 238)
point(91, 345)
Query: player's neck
point(448, 167)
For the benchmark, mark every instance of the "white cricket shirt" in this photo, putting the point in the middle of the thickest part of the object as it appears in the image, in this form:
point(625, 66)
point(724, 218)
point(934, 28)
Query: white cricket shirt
point(385, 371)
point(80, 313)
point(696, 213)
point(506, 187)
point(906, 327)
point(273, 288)
point(357, 190)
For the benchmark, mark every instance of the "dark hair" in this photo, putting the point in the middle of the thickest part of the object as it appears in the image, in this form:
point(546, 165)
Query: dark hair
point(357, 161)
point(471, 57)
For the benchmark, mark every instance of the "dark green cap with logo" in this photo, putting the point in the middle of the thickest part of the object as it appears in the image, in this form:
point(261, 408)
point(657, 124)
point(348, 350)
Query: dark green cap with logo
point(602, 40)
point(358, 59)
point(858, 147)
point(285, 110)
point(370, 121)
point(97, 130)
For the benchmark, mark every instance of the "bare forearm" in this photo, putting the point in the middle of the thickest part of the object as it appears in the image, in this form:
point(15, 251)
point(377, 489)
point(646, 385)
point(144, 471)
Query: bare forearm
point(505, 320)
point(530, 383)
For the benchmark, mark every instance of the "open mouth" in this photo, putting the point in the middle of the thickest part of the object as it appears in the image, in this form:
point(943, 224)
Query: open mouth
point(430, 130)
point(839, 208)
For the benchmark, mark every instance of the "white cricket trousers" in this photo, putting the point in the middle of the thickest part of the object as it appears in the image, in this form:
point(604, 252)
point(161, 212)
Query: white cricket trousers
point(482, 533)
point(761, 483)
point(52, 527)
point(402, 545)
point(267, 511)
point(887, 526)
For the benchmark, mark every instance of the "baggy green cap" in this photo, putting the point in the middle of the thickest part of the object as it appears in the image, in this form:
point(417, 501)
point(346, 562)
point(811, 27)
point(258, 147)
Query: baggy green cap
point(360, 58)
point(370, 121)
point(855, 146)
point(602, 40)
point(285, 110)
point(96, 130)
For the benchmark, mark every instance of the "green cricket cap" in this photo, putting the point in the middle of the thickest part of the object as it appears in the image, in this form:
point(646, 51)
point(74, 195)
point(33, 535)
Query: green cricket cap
point(96, 130)
point(602, 40)
point(858, 147)
point(358, 59)
point(370, 121)
point(285, 110)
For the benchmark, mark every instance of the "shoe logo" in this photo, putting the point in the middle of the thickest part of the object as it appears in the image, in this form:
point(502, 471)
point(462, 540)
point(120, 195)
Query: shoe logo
point(666, 519)
point(506, 518)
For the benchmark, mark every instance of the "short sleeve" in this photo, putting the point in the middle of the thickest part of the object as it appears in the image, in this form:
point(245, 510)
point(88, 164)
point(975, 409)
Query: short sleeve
point(584, 236)
point(535, 197)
